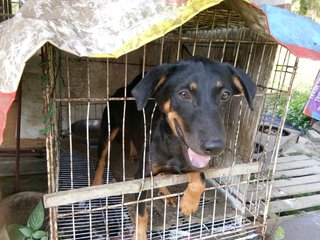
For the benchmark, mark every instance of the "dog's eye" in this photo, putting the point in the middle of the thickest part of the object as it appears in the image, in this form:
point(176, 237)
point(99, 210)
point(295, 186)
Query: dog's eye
point(225, 95)
point(184, 95)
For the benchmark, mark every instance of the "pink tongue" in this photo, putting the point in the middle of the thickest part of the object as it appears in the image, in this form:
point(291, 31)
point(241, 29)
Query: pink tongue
point(198, 160)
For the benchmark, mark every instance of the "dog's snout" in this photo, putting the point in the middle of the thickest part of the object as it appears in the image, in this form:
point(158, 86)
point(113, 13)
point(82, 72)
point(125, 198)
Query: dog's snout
point(213, 147)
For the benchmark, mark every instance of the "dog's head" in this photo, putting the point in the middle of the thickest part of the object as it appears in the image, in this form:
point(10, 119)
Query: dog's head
point(192, 93)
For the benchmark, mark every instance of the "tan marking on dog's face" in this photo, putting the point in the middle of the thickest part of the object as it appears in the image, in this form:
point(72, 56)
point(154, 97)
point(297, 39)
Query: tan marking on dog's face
point(193, 86)
point(219, 84)
point(173, 116)
point(161, 81)
point(167, 106)
point(238, 85)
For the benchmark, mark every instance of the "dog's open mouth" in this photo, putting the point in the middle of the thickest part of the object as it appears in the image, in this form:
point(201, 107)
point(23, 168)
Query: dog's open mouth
point(197, 160)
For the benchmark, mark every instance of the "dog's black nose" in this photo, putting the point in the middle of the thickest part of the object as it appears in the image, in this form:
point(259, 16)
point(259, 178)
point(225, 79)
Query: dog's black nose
point(213, 147)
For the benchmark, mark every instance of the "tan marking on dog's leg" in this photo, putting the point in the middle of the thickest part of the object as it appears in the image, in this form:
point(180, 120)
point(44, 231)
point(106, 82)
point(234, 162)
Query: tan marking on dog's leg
point(141, 227)
point(164, 191)
point(191, 196)
point(98, 177)
point(133, 153)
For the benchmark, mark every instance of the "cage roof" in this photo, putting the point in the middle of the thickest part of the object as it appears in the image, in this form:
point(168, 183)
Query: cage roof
point(104, 28)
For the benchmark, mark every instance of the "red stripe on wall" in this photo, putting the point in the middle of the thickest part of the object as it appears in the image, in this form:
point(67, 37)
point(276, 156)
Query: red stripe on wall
point(5, 104)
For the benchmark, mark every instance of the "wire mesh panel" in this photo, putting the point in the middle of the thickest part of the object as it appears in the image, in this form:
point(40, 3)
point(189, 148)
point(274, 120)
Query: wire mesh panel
point(234, 203)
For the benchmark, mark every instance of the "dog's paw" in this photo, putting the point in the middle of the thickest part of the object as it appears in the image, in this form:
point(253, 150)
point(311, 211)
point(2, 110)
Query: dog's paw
point(140, 236)
point(141, 227)
point(97, 181)
point(189, 204)
point(172, 201)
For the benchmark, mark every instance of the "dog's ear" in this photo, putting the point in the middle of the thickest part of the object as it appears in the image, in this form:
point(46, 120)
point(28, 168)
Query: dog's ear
point(149, 84)
point(243, 84)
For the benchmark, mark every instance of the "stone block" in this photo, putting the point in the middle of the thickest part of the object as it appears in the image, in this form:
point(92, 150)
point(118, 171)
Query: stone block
point(313, 135)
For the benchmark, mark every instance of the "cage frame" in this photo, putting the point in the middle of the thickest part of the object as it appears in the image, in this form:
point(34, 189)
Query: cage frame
point(56, 198)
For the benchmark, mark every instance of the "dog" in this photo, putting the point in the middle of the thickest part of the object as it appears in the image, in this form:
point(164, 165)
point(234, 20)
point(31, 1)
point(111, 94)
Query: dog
point(187, 126)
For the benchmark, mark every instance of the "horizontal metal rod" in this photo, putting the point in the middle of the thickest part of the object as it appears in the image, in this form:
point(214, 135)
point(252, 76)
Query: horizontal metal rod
point(134, 186)
point(93, 99)
point(103, 100)
point(217, 40)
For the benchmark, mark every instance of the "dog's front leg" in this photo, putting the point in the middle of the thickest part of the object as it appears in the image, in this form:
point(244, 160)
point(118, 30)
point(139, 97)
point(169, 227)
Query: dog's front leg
point(98, 177)
point(141, 222)
point(191, 196)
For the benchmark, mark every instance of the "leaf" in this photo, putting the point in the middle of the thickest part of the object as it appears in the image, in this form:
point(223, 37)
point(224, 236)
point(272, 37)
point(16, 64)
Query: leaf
point(14, 232)
point(27, 232)
point(39, 234)
point(36, 218)
point(279, 234)
point(4, 233)
point(44, 238)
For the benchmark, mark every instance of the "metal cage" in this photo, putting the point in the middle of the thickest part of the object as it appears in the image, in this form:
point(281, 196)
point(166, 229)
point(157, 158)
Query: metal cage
point(235, 202)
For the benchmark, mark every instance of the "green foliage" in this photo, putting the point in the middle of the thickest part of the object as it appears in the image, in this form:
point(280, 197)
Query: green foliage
point(295, 115)
point(279, 234)
point(304, 6)
point(309, 8)
point(29, 232)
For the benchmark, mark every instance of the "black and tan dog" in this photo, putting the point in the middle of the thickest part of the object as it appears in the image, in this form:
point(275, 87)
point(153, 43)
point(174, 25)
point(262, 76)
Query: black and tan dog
point(187, 129)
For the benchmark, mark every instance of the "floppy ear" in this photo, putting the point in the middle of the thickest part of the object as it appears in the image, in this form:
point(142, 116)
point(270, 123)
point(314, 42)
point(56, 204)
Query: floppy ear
point(149, 84)
point(243, 84)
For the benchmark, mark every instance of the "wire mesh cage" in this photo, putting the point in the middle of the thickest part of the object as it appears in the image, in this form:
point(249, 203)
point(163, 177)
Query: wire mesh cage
point(234, 204)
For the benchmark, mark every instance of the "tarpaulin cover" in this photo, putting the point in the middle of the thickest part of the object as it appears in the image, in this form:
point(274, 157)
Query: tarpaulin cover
point(105, 28)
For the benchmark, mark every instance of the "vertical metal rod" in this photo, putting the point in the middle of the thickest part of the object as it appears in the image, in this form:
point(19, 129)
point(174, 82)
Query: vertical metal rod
point(88, 143)
point(18, 136)
point(161, 50)
point(225, 37)
point(211, 34)
point(202, 213)
point(214, 210)
point(195, 38)
point(177, 215)
point(179, 43)
point(124, 118)
point(87, 122)
point(189, 226)
point(109, 143)
point(164, 218)
point(123, 138)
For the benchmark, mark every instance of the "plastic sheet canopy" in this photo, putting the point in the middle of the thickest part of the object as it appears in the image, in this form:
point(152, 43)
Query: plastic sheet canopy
point(105, 28)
